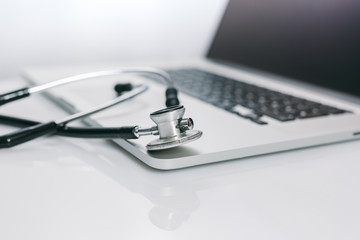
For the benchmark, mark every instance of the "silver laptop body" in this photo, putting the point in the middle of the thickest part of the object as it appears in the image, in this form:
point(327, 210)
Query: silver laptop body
point(226, 134)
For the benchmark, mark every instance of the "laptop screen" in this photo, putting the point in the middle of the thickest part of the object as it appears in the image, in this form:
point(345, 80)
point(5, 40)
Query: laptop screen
point(316, 41)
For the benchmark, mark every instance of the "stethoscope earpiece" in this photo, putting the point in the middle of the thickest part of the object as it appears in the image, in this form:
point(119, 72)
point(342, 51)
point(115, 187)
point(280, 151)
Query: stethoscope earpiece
point(120, 88)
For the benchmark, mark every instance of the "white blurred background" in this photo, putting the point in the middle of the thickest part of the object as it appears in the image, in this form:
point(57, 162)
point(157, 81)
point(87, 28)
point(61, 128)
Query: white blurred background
point(58, 32)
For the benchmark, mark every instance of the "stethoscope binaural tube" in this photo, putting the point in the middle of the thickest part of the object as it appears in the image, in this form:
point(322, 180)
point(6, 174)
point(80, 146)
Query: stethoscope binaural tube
point(171, 92)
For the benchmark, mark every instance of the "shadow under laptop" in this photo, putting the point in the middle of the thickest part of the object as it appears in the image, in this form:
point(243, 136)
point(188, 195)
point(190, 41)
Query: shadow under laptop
point(178, 152)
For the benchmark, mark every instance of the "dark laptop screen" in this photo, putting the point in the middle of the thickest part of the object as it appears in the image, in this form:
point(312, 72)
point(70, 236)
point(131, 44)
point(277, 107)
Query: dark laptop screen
point(316, 41)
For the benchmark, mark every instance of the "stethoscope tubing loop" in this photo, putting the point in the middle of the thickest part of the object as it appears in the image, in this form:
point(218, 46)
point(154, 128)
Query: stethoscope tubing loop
point(40, 129)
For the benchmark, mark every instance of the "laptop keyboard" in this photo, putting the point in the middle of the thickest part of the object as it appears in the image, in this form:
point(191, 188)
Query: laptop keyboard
point(246, 100)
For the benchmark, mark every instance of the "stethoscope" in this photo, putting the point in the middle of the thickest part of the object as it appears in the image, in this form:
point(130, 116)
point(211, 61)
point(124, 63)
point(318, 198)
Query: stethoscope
point(171, 127)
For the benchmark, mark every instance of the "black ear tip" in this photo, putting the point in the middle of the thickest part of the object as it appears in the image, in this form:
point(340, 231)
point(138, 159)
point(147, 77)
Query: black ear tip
point(123, 87)
point(172, 102)
point(171, 97)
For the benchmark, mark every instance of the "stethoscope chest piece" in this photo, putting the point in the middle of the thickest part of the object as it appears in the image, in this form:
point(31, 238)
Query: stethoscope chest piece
point(165, 143)
point(173, 129)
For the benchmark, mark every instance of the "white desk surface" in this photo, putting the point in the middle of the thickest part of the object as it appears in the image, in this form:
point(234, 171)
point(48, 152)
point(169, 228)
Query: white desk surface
point(61, 188)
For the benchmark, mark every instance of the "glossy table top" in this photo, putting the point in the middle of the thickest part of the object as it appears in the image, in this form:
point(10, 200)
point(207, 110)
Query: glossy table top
point(62, 188)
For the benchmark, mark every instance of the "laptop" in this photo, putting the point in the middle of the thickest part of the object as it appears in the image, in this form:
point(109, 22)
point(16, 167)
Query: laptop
point(278, 76)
